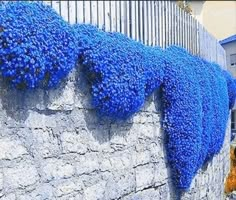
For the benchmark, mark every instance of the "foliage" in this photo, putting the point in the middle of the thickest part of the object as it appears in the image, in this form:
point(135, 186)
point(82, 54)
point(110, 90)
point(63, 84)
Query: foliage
point(122, 71)
point(37, 47)
point(195, 104)
point(195, 98)
point(185, 6)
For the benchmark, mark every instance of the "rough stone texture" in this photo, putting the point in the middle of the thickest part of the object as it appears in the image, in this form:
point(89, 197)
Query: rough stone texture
point(53, 146)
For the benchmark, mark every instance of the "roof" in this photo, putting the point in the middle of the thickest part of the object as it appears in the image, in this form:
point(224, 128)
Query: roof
point(232, 38)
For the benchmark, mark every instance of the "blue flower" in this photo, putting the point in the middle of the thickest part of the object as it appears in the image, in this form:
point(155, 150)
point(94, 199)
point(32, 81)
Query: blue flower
point(123, 72)
point(196, 102)
point(38, 48)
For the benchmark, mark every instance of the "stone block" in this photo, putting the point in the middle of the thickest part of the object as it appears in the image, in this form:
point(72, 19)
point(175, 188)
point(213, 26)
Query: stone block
point(95, 192)
point(44, 143)
point(120, 183)
point(87, 164)
point(11, 149)
point(20, 176)
point(37, 120)
point(63, 97)
point(56, 169)
point(144, 176)
point(67, 187)
point(73, 143)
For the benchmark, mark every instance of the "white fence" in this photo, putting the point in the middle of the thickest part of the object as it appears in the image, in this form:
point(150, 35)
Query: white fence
point(160, 23)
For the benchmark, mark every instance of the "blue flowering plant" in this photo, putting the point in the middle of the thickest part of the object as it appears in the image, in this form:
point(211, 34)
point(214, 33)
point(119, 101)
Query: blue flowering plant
point(123, 72)
point(37, 47)
point(195, 101)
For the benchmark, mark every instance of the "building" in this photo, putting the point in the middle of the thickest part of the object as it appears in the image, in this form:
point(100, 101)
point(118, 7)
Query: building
point(229, 44)
point(218, 17)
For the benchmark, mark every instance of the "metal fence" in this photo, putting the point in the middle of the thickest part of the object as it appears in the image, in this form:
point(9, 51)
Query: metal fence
point(160, 23)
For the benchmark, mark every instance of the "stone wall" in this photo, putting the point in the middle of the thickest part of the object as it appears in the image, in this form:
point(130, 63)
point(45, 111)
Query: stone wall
point(53, 146)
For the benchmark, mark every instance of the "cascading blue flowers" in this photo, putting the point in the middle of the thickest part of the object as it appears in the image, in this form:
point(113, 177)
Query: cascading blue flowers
point(37, 47)
point(195, 98)
point(195, 104)
point(182, 103)
point(123, 72)
point(220, 107)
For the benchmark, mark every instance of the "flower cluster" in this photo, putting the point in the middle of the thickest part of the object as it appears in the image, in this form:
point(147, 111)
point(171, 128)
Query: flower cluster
point(182, 119)
point(123, 72)
point(195, 104)
point(231, 83)
point(37, 47)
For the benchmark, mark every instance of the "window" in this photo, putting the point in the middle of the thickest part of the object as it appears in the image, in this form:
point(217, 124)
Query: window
point(232, 120)
point(233, 60)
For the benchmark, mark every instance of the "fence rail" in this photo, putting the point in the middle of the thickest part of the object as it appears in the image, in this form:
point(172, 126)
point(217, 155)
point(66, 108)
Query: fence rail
point(160, 23)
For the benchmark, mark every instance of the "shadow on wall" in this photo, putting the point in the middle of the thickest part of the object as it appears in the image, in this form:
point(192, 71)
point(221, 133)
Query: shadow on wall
point(99, 126)
point(18, 104)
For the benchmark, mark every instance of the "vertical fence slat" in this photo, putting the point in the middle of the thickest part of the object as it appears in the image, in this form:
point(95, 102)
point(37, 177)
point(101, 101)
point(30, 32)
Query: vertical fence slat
point(94, 14)
point(192, 38)
point(72, 12)
point(188, 32)
point(101, 14)
point(167, 18)
point(153, 23)
point(64, 9)
point(48, 2)
point(56, 6)
point(87, 11)
point(164, 22)
point(132, 20)
point(137, 21)
point(180, 27)
point(170, 13)
point(122, 17)
point(160, 23)
point(118, 16)
point(80, 11)
point(128, 20)
point(184, 30)
point(176, 26)
point(107, 17)
point(145, 22)
point(149, 23)
point(113, 15)
point(171, 25)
